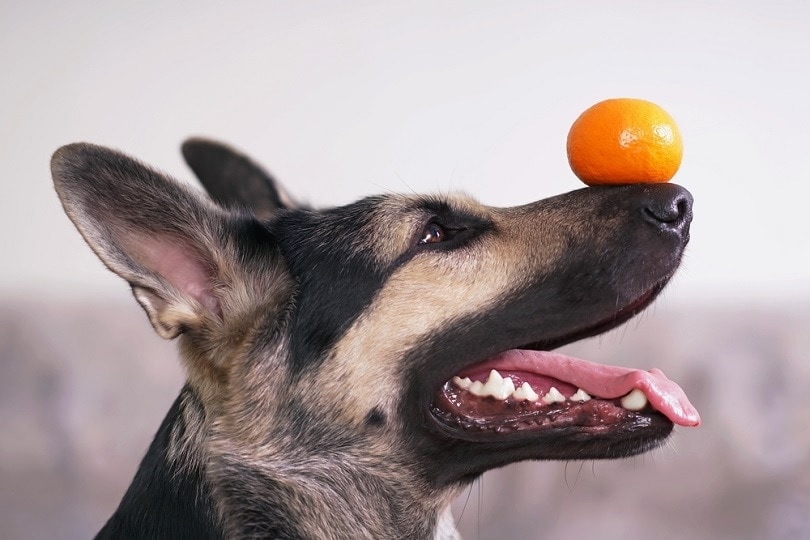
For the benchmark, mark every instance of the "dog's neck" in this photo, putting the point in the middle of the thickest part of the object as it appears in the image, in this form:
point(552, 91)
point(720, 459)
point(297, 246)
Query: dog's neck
point(174, 490)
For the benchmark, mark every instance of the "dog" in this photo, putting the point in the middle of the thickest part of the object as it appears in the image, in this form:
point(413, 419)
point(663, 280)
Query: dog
point(351, 370)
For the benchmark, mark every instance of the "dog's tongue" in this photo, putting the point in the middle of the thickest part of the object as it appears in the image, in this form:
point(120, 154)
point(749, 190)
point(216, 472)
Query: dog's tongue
point(607, 382)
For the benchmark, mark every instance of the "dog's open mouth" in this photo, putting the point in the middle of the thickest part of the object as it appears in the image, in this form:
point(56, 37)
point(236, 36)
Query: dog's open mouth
point(529, 390)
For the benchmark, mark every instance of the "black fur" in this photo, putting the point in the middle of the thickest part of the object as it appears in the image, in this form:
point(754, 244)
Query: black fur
point(232, 179)
point(336, 278)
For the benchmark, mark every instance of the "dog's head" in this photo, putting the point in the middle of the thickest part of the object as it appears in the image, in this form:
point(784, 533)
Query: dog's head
point(369, 333)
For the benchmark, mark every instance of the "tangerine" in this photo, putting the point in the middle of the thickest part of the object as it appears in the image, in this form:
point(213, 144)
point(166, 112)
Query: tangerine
point(624, 141)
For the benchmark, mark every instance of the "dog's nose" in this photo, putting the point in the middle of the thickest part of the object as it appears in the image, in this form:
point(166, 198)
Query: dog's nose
point(668, 207)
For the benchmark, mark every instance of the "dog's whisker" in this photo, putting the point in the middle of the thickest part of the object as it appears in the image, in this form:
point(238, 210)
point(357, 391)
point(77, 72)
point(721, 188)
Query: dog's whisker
point(466, 500)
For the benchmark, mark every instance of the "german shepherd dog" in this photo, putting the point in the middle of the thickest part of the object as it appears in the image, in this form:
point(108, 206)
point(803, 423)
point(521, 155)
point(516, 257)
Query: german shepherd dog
point(351, 370)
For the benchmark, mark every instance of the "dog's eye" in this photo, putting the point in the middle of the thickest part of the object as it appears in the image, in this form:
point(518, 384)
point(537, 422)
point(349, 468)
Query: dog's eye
point(432, 234)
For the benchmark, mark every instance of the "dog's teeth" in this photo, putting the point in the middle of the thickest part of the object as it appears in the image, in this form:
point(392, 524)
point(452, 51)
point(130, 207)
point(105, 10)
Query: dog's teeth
point(494, 384)
point(581, 396)
point(494, 377)
point(477, 389)
point(635, 400)
point(508, 387)
point(497, 387)
point(525, 393)
point(553, 396)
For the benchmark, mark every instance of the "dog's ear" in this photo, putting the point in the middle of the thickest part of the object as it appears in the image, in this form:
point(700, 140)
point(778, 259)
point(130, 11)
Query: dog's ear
point(233, 180)
point(175, 247)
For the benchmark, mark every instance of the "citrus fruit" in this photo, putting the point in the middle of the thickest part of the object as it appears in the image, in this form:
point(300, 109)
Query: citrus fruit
point(624, 141)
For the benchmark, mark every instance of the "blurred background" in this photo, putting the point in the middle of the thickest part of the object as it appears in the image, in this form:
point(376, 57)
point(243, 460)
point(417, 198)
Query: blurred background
point(346, 99)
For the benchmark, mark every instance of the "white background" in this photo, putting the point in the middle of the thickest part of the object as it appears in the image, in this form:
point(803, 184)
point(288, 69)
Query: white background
point(344, 99)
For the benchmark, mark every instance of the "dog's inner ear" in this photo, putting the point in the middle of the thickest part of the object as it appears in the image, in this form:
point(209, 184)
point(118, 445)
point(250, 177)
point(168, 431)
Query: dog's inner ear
point(166, 240)
point(235, 181)
point(186, 272)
